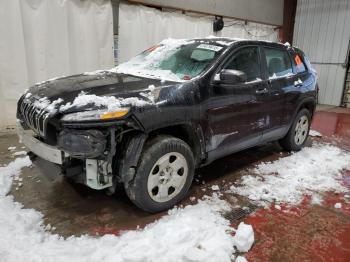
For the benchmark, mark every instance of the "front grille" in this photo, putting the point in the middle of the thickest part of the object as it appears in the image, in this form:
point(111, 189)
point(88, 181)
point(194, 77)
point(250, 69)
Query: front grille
point(33, 117)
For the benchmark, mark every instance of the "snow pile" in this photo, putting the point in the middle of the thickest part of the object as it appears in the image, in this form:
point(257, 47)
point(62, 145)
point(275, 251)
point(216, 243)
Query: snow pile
point(315, 133)
point(215, 187)
point(8, 173)
point(244, 237)
point(240, 259)
point(111, 103)
point(20, 153)
point(194, 233)
point(311, 171)
point(337, 205)
point(45, 103)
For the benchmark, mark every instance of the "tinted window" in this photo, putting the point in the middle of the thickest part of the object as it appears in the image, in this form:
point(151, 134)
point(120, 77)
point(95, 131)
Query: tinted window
point(247, 61)
point(278, 62)
point(299, 64)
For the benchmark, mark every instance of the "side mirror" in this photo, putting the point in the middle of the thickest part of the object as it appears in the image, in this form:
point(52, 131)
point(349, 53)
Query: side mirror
point(230, 76)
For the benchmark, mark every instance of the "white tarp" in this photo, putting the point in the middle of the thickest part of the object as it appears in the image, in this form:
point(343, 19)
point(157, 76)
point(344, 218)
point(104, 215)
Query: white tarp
point(41, 39)
point(141, 27)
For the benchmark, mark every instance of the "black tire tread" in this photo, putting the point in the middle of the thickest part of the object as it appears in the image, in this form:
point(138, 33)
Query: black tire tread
point(287, 142)
point(156, 146)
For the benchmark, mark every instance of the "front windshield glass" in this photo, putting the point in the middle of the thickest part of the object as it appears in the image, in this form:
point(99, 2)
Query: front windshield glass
point(174, 60)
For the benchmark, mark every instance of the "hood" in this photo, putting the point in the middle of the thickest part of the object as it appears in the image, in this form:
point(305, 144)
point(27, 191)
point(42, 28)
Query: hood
point(62, 93)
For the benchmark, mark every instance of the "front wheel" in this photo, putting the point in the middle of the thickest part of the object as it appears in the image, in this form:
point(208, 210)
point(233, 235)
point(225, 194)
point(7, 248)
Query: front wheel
point(298, 133)
point(163, 176)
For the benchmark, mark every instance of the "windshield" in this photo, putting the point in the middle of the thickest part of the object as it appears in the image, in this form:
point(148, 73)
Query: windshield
point(174, 60)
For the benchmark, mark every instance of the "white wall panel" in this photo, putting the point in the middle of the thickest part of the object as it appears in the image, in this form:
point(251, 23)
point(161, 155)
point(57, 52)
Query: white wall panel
point(141, 27)
point(322, 31)
point(267, 11)
point(41, 39)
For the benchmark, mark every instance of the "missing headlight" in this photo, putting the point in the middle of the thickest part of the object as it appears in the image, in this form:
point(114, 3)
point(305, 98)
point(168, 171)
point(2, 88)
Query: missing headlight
point(82, 143)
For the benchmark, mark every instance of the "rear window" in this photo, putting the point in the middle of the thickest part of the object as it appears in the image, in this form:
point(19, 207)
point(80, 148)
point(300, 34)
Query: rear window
point(299, 63)
point(278, 62)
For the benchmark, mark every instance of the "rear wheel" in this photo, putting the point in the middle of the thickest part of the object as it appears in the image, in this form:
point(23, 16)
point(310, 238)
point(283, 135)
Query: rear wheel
point(163, 176)
point(298, 133)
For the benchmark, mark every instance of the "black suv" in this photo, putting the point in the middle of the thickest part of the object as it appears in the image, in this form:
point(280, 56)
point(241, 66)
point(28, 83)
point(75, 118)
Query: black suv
point(177, 106)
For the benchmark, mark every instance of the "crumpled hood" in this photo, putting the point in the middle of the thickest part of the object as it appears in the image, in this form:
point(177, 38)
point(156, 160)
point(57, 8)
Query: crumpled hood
point(62, 93)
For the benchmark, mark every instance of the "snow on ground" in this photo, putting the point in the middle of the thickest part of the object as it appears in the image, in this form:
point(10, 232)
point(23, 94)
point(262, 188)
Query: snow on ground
point(311, 171)
point(10, 172)
point(337, 205)
point(315, 133)
point(215, 187)
point(194, 233)
point(241, 259)
point(244, 237)
point(19, 153)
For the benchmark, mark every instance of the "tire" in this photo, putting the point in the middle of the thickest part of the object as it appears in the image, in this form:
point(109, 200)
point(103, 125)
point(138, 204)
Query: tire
point(164, 174)
point(298, 132)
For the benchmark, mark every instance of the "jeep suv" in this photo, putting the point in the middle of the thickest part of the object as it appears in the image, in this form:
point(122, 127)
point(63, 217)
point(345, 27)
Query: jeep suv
point(181, 104)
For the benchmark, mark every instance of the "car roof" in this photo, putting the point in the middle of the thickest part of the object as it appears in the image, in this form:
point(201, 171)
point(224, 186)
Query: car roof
point(228, 41)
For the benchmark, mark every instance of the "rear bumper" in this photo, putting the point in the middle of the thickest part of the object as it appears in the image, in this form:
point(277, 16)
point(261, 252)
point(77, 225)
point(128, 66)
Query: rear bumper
point(39, 148)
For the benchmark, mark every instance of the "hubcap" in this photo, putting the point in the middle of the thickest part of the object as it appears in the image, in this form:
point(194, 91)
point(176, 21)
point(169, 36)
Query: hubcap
point(167, 177)
point(301, 130)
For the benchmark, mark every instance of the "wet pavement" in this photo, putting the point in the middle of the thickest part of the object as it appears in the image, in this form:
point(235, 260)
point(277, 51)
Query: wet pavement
point(303, 233)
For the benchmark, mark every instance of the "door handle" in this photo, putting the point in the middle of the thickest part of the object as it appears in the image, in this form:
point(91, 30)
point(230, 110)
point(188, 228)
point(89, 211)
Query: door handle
point(262, 91)
point(298, 83)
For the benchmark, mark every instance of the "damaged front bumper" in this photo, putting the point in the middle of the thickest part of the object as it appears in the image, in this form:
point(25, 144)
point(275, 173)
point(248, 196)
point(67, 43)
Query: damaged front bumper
point(96, 174)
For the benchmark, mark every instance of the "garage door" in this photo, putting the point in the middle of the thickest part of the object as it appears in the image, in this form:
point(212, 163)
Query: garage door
point(322, 30)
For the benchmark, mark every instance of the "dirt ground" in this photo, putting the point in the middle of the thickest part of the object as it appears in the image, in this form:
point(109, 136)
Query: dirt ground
point(309, 233)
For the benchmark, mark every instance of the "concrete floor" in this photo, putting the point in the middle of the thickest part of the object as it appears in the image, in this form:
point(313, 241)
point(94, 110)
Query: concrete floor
point(75, 209)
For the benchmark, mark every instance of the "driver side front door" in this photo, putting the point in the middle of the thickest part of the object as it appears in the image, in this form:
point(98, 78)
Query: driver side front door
point(235, 113)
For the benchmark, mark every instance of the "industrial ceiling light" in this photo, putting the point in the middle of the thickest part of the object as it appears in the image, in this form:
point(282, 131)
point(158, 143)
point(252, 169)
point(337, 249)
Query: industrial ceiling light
point(218, 23)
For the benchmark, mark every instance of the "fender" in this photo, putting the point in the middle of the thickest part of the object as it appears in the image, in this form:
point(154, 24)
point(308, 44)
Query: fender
point(133, 150)
point(301, 104)
point(305, 101)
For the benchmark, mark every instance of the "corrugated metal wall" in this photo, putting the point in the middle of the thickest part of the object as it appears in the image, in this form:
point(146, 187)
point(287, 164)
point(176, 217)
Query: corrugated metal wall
point(346, 98)
point(322, 31)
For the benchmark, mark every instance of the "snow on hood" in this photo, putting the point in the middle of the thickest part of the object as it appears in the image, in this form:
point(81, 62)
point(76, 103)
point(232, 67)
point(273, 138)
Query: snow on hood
point(111, 103)
point(108, 103)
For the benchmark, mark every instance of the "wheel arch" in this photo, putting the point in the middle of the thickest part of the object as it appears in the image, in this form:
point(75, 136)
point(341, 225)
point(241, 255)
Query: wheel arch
point(309, 104)
point(189, 133)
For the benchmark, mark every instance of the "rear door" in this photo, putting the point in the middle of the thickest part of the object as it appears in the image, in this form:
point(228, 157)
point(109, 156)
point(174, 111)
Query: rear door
point(303, 80)
point(236, 115)
point(280, 79)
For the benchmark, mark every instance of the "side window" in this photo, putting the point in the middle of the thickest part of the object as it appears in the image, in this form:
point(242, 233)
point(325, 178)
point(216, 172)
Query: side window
point(299, 64)
point(278, 62)
point(247, 61)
